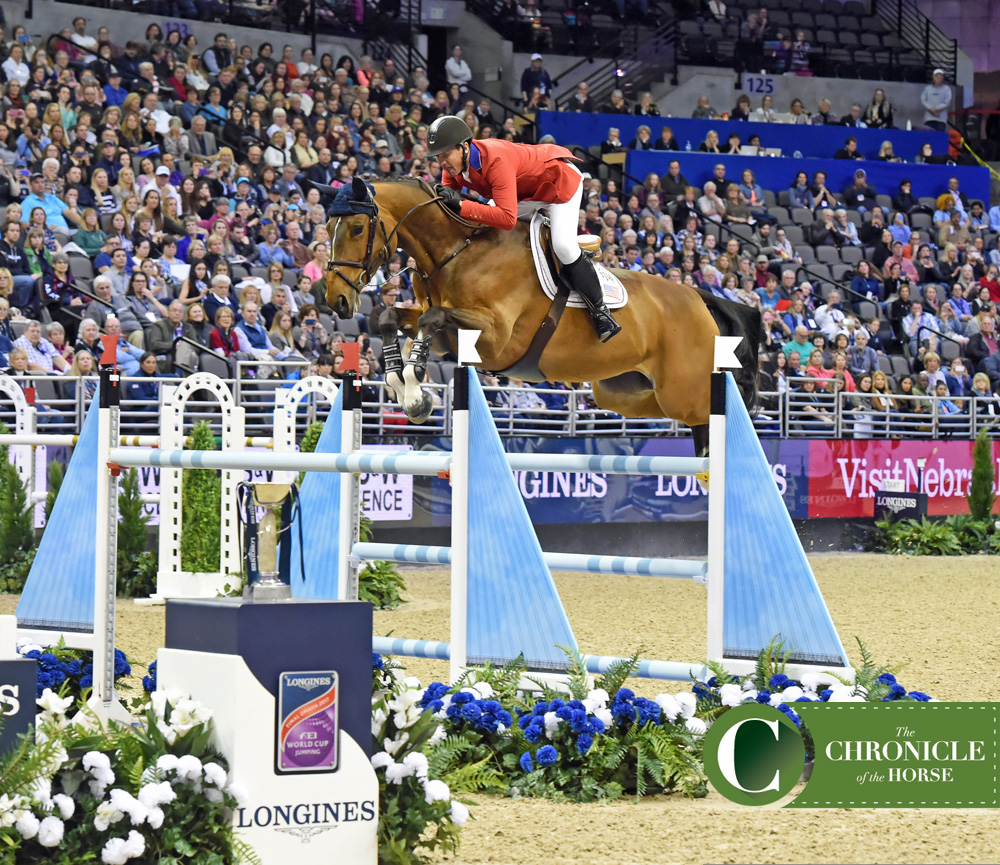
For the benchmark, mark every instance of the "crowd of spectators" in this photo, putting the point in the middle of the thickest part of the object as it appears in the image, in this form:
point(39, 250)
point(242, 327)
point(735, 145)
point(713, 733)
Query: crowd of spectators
point(164, 191)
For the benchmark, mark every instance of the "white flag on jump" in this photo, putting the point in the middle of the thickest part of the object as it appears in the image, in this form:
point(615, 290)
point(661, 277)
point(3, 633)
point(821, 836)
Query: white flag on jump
point(467, 353)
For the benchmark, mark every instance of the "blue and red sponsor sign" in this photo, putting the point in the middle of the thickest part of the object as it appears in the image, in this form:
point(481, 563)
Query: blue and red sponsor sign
point(816, 479)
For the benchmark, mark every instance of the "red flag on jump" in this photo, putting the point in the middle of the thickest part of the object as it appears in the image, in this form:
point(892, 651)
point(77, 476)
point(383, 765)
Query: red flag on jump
point(352, 353)
point(110, 354)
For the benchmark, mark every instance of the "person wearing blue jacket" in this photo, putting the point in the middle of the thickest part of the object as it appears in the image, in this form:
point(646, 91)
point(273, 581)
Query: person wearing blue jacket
point(865, 284)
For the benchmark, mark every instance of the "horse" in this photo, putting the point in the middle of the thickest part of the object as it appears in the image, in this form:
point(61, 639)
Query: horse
point(469, 276)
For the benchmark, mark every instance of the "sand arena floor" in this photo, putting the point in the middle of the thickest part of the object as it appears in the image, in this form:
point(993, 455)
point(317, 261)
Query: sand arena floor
point(940, 614)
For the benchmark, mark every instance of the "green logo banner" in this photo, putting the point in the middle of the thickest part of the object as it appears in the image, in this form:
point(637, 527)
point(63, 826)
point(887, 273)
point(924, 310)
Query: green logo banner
point(902, 755)
point(867, 755)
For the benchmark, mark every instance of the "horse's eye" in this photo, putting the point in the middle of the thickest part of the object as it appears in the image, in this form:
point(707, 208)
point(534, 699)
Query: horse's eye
point(356, 230)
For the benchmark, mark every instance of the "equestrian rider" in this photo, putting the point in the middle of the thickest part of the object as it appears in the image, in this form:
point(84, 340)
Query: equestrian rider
point(520, 178)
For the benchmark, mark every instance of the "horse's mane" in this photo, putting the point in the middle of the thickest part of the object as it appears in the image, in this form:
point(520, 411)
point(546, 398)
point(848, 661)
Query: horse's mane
point(430, 192)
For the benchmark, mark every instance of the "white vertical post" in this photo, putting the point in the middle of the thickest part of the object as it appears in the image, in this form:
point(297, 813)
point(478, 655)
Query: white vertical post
point(459, 522)
point(350, 490)
point(104, 700)
point(716, 576)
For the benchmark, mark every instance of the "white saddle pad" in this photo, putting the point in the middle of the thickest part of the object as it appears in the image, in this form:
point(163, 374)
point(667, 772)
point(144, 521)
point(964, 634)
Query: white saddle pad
point(615, 295)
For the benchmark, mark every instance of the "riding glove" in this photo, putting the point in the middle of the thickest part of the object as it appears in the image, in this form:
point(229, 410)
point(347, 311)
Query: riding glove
point(450, 198)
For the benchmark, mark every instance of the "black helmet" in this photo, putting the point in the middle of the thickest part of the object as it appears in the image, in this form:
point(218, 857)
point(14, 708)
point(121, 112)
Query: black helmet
point(447, 132)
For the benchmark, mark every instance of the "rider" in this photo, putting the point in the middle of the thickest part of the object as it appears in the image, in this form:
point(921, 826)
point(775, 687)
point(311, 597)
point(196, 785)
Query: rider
point(520, 178)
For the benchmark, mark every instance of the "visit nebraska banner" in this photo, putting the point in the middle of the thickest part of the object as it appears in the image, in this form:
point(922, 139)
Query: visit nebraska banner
point(845, 475)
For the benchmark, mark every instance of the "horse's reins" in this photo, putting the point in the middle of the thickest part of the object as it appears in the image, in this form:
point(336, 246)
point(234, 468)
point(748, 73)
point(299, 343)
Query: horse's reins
point(367, 265)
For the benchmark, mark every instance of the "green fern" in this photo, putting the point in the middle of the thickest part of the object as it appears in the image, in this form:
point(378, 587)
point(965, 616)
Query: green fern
point(617, 674)
point(245, 853)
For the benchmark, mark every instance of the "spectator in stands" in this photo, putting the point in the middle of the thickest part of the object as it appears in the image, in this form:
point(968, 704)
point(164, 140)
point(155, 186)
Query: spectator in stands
point(886, 154)
point(642, 140)
point(711, 143)
point(703, 111)
point(750, 48)
point(797, 113)
point(536, 76)
point(822, 197)
point(849, 150)
point(581, 101)
point(936, 100)
point(666, 141)
point(861, 358)
point(617, 104)
point(860, 196)
point(799, 344)
point(904, 200)
point(865, 284)
point(824, 231)
point(457, 70)
point(732, 145)
point(711, 206)
point(799, 193)
point(987, 403)
point(878, 113)
point(853, 118)
point(906, 264)
point(918, 326)
point(954, 231)
point(824, 116)
point(645, 107)
point(613, 143)
point(741, 111)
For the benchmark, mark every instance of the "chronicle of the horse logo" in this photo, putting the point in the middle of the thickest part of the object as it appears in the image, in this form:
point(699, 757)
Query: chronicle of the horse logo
point(306, 833)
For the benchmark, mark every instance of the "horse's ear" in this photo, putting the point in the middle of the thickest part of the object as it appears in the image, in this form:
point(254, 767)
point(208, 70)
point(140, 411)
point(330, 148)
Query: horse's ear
point(359, 190)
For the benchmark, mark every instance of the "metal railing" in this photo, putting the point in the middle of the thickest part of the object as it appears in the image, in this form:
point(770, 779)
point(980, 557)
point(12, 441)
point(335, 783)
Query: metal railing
point(920, 33)
point(632, 72)
point(525, 411)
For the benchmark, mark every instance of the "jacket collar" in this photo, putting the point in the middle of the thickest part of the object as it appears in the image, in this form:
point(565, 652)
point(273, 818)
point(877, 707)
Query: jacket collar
point(475, 157)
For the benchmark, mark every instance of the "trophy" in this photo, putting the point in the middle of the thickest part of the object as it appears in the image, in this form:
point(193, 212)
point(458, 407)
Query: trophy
point(267, 571)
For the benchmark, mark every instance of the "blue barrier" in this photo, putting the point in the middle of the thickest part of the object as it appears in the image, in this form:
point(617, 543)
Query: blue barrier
point(818, 142)
point(777, 174)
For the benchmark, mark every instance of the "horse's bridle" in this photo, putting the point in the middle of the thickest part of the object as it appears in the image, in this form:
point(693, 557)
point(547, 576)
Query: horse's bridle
point(368, 266)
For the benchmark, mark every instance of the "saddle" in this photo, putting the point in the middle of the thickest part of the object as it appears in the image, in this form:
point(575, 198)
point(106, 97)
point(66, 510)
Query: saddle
point(548, 270)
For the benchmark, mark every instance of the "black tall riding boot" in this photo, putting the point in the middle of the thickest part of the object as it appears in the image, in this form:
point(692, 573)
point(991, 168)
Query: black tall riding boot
point(583, 278)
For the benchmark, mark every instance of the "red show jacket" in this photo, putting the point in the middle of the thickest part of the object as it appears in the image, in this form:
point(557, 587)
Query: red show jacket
point(509, 173)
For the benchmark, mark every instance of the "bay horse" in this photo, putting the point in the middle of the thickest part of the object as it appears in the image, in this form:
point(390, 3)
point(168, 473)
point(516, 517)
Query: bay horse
point(469, 276)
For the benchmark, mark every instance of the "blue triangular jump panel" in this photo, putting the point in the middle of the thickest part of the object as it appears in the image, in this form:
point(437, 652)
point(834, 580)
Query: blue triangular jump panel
point(770, 588)
point(59, 591)
point(319, 499)
point(513, 605)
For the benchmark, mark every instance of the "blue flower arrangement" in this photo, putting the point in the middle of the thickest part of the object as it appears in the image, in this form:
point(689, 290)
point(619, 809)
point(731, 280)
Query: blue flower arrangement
point(68, 671)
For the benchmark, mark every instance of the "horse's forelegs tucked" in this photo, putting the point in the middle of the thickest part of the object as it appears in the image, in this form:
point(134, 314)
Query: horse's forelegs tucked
point(416, 402)
point(392, 359)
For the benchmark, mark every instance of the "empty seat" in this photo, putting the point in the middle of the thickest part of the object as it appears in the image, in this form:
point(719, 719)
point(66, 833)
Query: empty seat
point(769, 199)
point(884, 201)
point(900, 365)
point(871, 39)
point(802, 216)
point(827, 37)
point(803, 19)
point(867, 310)
point(81, 267)
point(689, 28)
point(851, 255)
point(827, 254)
point(365, 307)
point(779, 213)
point(841, 272)
point(849, 23)
point(348, 326)
point(856, 8)
point(950, 349)
point(827, 22)
point(806, 254)
point(854, 217)
point(780, 19)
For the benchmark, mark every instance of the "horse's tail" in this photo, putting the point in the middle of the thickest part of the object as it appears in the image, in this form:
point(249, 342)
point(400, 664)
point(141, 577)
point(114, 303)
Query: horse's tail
point(738, 319)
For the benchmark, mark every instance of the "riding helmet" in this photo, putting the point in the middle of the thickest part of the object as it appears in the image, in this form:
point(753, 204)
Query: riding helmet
point(447, 132)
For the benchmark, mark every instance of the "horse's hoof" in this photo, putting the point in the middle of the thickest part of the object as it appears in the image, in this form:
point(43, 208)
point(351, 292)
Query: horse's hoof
point(702, 478)
point(423, 410)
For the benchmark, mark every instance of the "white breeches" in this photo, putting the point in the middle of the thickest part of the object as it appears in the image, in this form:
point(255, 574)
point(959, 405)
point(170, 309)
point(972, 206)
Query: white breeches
point(564, 218)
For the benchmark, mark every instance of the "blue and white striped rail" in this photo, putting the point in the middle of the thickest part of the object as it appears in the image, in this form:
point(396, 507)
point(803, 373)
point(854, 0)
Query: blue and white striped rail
point(598, 664)
point(609, 464)
point(633, 566)
point(401, 463)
